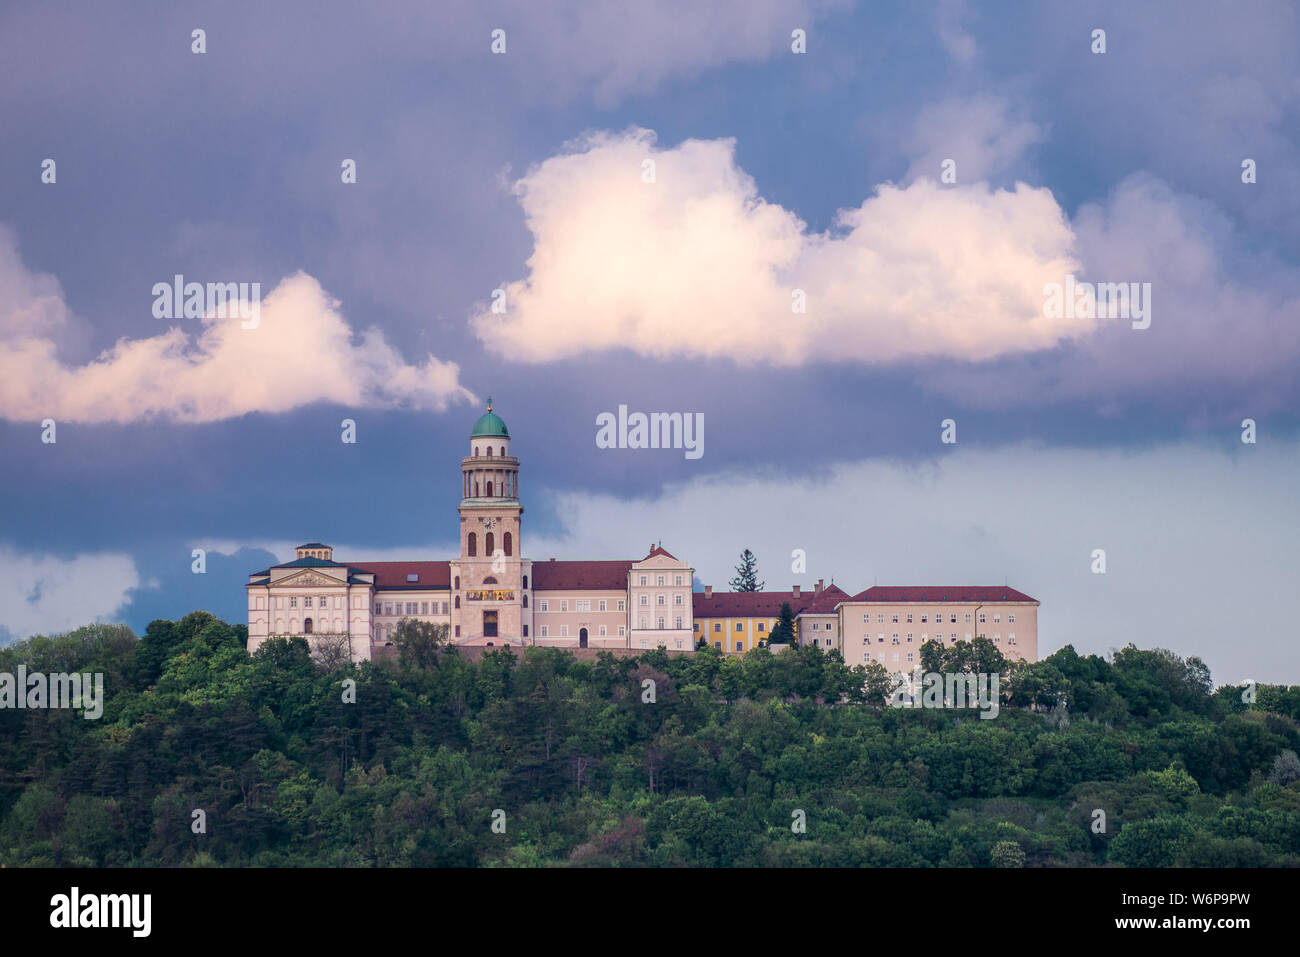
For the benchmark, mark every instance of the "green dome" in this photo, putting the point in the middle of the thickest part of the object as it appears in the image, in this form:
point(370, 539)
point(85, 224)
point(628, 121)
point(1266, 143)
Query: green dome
point(490, 425)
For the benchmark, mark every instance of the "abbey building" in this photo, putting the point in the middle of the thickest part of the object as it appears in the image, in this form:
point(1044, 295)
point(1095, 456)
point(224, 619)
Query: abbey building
point(491, 595)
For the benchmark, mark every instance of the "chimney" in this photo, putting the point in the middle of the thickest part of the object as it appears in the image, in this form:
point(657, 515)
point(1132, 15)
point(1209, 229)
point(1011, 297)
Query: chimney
point(819, 586)
point(796, 591)
point(708, 591)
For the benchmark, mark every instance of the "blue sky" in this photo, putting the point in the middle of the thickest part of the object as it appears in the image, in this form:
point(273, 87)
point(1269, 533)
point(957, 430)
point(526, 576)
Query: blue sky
point(775, 170)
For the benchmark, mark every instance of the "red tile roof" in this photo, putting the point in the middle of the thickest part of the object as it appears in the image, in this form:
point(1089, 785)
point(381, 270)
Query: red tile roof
point(659, 550)
point(393, 574)
point(901, 594)
point(571, 576)
point(744, 604)
point(824, 604)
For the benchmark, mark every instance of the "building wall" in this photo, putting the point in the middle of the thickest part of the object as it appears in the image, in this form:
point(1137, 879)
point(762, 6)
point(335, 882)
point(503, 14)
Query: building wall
point(824, 630)
point(737, 635)
point(659, 586)
point(565, 613)
point(1016, 638)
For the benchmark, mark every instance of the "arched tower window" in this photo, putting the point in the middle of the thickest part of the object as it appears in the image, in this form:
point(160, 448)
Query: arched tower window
point(489, 489)
point(503, 450)
point(476, 488)
point(471, 545)
point(506, 543)
point(489, 541)
point(489, 451)
point(525, 601)
point(525, 581)
point(476, 451)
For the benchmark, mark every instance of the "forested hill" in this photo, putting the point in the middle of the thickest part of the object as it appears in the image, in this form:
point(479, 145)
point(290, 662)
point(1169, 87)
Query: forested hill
point(1143, 764)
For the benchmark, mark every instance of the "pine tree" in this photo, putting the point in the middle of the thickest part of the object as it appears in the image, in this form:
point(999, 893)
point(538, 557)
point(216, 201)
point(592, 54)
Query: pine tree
point(783, 630)
point(747, 574)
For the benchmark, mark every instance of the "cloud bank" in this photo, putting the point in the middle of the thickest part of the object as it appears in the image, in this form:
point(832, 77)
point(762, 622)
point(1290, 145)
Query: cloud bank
point(44, 594)
point(697, 264)
point(203, 370)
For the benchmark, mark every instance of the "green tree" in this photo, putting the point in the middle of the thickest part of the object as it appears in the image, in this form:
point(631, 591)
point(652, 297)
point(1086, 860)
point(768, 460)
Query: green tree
point(417, 642)
point(747, 574)
point(783, 629)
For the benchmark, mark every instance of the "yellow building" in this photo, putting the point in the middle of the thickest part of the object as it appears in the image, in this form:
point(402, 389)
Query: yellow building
point(738, 621)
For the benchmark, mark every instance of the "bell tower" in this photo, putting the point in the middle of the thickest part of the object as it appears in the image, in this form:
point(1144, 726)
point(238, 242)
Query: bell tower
point(487, 579)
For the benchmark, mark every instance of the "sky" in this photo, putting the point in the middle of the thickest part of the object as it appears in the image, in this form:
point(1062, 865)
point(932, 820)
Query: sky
point(827, 254)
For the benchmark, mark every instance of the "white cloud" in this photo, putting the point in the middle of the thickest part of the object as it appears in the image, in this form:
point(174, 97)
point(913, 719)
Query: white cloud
point(43, 594)
point(302, 351)
point(697, 264)
point(1200, 544)
point(984, 136)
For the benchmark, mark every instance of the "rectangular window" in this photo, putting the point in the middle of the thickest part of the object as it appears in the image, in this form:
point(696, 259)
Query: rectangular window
point(953, 620)
point(660, 620)
point(602, 631)
point(909, 618)
point(293, 602)
point(643, 579)
point(866, 619)
point(541, 605)
point(718, 645)
point(880, 619)
point(661, 600)
point(1011, 618)
point(679, 643)
point(544, 632)
point(677, 622)
point(762, 626)
point(740, 645)
point(424, 608)
point(997, 637)
point(923, 619)
point(677, 580)
point(622, 604)
point(717, 626)
point(564, 604)
point(601, 606)
point(622, 630)
point(306, 602)
point(660, 580)
point(997, 616)
point(968, 619)
point(379, 608)
point(525, 631)
point(677, 600)
point(645, 600)
point(583, 604)
point(740, 626)
point(909, 656)
point(643, 621)
point(895, 619)
point(564, 631)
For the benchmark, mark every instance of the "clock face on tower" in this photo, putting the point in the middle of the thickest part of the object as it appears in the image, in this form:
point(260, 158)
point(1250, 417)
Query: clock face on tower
point(489, 523)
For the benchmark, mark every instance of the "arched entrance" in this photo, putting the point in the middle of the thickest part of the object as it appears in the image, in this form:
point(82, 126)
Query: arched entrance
point(582, 638)
point(489, 624)
point(306, 626)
